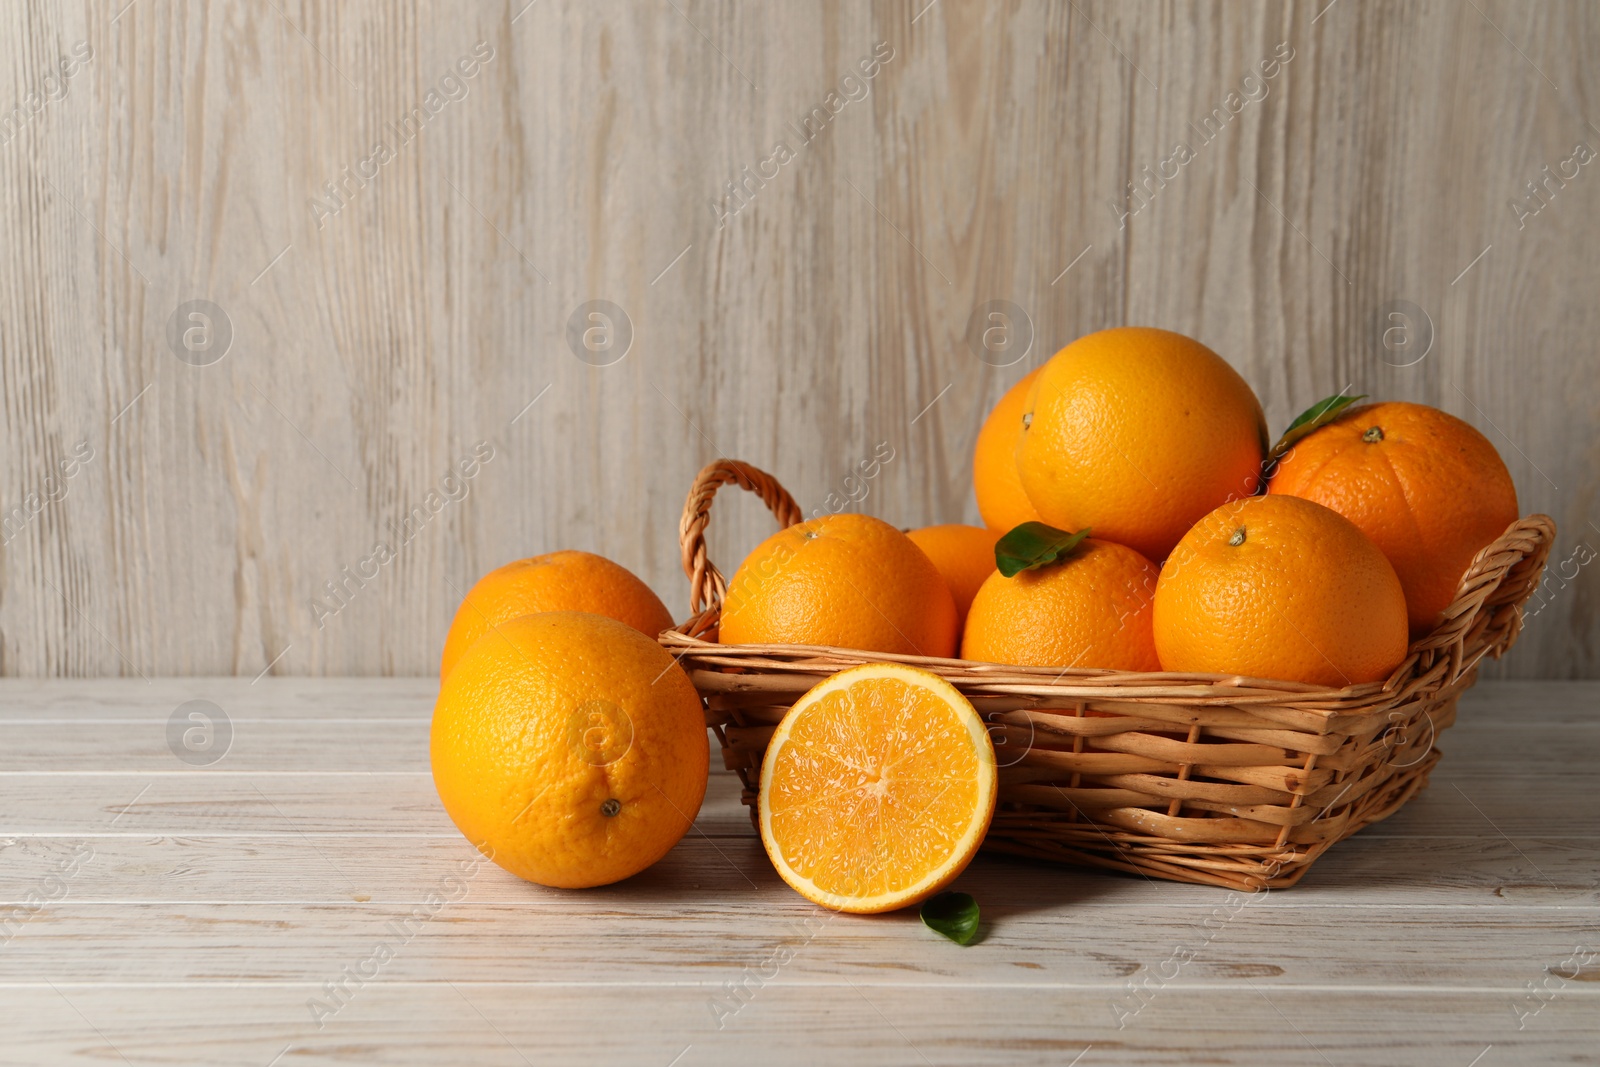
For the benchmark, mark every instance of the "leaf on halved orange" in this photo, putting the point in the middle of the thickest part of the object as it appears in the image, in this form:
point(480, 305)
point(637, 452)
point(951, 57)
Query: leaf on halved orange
point(876, 789)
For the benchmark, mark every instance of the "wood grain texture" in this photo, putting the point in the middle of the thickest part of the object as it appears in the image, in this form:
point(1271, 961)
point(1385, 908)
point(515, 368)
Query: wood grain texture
point(378, 339)
point(516, 1024)
point(182, 914)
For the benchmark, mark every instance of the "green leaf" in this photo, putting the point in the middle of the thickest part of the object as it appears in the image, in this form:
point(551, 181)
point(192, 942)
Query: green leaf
point(1312, 418)
point(955, 915)
point(1033, 544)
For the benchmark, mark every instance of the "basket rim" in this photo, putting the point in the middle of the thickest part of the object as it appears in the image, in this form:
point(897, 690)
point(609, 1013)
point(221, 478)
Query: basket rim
point(805, 658)
point(1309, 709)
point(1482, 593)
point(1009, 678)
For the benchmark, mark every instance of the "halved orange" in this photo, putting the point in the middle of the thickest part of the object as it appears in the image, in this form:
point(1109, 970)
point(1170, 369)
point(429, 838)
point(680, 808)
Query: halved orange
point(876, 789)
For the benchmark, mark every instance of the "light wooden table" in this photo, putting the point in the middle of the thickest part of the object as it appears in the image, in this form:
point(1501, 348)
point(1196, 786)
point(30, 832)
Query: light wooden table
point(172, 913)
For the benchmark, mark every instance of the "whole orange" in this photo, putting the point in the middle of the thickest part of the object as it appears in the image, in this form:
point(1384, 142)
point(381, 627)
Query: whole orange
point(569, 748)
point(995, 480)
point(846, 580)
point(1279, 587)
point(1137, 433)
point(1090, 610)
point(556, 581)
point(964, 556)
point(1426, 487)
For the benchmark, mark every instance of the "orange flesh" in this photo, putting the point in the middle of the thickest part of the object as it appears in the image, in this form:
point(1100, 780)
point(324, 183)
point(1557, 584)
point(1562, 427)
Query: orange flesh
point(876, 792)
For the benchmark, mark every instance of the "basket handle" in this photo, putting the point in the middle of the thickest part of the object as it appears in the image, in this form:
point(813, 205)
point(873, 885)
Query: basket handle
point(707, 587)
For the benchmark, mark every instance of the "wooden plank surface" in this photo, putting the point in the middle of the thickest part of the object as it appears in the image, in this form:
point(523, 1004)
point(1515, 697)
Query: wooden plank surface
point(196, 914)
point(383, 332)
point(520, 1024)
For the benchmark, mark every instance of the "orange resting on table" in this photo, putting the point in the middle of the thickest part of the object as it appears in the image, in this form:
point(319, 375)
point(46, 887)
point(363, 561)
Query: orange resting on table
point(555, 581)
point(570, 748)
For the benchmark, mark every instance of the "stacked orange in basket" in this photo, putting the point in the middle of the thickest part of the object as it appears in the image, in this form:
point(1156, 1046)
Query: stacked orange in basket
point(1176, 647)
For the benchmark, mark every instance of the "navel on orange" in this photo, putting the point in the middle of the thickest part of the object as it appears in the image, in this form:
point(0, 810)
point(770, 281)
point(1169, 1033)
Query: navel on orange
point(1136, 433)
point(995, 481)
point(846, 580)
point(555, 581)
point(570, 748)
point(963, 554)
point(1091, 609)
point(876, 789)
point(1279, 587)
point(1428, 488)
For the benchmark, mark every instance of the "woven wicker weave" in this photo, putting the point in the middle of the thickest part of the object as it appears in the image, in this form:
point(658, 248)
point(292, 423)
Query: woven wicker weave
point(1230, 781)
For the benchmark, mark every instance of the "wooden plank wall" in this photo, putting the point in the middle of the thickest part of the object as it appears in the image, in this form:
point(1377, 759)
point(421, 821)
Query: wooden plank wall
point(495, 166)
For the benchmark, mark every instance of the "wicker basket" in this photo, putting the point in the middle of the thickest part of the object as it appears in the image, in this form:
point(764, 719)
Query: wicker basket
point(1230, 781)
